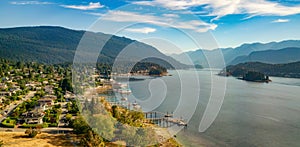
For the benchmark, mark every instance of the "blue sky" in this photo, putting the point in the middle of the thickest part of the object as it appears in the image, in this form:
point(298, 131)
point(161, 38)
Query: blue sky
point(172, 26)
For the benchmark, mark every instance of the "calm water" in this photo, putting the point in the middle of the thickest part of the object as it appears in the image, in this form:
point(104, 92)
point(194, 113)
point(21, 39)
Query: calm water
point(252, 114)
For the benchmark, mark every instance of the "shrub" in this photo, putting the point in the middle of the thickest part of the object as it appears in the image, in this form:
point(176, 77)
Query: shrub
point(28, 125)
point(31, 132)
point(53, 125)
point(9, 123)
point(44, 125)
point(68, 117)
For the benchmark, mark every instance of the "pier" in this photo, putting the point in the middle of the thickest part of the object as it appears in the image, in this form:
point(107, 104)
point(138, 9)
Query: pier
point(163, 119)
point(159, 118)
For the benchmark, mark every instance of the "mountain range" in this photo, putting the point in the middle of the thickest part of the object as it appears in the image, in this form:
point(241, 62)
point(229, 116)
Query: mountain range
point(286, 55)
point(52, 45)
point(219, 58)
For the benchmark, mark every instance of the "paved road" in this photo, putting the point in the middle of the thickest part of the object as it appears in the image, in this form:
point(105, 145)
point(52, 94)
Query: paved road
point(61, 122)
point(13, 106)
point(54, 130)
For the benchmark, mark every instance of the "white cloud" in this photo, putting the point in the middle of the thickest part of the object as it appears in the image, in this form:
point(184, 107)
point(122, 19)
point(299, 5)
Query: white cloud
point(280, 21)
point(220, 8)
point(91, 6)
point(125, 16)
point(30, 3)
point(145, 30)
point(96, 14)
point(171, 15)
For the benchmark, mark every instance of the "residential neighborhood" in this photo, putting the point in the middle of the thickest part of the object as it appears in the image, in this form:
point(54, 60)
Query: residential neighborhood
point(33, 94)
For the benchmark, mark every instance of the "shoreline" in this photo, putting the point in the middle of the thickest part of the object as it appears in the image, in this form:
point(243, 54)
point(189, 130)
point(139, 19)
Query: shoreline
point(167, 139)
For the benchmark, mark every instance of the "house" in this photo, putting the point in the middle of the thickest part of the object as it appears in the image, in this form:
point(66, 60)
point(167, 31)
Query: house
point(45, 82)
point(53, 97)
point(14, 89)
point(2, 99)
point(69, 96)
point(3, 86)
point(18, 77)
point(38, 88)
point(37, 83)
point(30, 86)
point(4, 93)
point(5, 79)
point(32, 117)
point(49, 89)
point(45, 101)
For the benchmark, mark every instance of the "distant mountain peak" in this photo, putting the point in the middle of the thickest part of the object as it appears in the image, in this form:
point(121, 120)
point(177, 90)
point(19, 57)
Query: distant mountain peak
point(231, 55)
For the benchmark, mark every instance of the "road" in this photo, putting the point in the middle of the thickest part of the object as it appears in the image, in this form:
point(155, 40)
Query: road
point(53, 130)
point(13, 106)
point(62, 116)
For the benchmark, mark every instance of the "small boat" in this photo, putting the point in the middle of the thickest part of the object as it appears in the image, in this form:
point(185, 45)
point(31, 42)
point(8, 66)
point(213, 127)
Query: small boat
point(124, 91)
point(116, 85)
point(124, 99)
point(134, 104)
point(168, 115)
point(181, 123)
point(124, 85)
point(137, 107)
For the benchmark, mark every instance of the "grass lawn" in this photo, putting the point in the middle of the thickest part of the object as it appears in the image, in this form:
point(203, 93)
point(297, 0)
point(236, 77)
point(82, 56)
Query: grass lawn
point(20, 139)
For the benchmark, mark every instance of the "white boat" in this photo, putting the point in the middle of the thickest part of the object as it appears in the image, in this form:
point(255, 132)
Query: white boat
point(124, 85)
point(125, 91)
point(117, 85)
point(136, 106)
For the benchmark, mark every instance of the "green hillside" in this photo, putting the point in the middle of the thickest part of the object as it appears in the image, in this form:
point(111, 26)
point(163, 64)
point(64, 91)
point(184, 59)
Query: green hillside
point(291, 70)
point(286, 55)
point(52, 45)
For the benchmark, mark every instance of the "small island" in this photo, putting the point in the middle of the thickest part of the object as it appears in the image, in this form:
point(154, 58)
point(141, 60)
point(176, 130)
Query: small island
point(249, 72)
point(254, 76)
point(157, 72)
point(149, 69)
point(198, 66)
point(287, 70)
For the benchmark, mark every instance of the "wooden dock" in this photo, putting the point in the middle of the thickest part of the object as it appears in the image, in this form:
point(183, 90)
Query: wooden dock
point(163, 119)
